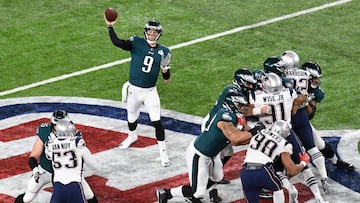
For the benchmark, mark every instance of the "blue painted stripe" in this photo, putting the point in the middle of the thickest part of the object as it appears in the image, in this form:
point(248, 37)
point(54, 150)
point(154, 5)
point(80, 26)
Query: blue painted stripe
point(98, 110)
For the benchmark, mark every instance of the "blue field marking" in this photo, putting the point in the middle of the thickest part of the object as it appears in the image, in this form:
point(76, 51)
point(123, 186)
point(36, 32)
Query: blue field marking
point(97, 110)
point(348, 179)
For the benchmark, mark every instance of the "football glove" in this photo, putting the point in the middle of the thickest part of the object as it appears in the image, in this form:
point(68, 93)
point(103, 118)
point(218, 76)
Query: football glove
point(304, 159)
point(36, 174)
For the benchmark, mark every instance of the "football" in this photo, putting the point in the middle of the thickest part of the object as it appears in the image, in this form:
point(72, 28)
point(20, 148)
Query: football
point(110, 14)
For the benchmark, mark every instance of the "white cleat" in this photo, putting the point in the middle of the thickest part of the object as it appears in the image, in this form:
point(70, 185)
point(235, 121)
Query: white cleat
point(326, 185)
point(165, 162)
point(128, 141)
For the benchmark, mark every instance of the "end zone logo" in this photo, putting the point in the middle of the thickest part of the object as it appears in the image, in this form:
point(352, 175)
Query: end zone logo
point(130, 175)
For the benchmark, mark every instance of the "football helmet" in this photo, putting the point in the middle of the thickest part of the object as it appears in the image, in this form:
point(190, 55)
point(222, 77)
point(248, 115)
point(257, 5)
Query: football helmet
point(64, 129)
point(281, 127)
point(152, 25)
point(315, 73)
point(275, 65)
point(58, 115)
point(234, 100)
point(273, 84)
point(244, 79)
point(291, 59)
point(260, 77)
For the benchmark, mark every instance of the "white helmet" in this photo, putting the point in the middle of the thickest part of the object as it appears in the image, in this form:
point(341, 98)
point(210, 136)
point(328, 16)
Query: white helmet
point(64, 129)
point(273, 84)
point(290, 59)
point(281, 128)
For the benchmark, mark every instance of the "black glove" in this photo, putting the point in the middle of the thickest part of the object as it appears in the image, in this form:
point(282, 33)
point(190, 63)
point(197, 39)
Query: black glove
point(259, 126)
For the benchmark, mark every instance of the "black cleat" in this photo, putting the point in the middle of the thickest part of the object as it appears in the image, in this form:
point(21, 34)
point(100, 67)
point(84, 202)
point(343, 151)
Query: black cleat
point(19, 199)
point(192, 200)
point(161, 196)
point(344, 165)
point(224, 181)
point(214, 197)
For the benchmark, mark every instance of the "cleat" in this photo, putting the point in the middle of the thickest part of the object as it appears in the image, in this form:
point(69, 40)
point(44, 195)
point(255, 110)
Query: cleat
point(165, 162)
point(19, 199)
point(326, 185)
point(224, 181)
point(344, 165)
point(192, 200)
point(128, 141)
point(161, 196)
point(214, 197)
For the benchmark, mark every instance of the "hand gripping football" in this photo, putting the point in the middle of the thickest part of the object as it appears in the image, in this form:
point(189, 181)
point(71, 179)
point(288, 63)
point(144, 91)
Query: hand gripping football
point(110, 14)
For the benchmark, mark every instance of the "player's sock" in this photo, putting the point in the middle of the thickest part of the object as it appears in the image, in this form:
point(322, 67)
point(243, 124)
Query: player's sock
point(165, 162)
point(318, 160)
point(132, 137)
point(312, 183)
point(278, 196)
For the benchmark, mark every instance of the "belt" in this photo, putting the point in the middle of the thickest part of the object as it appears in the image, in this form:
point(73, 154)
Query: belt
point(253, 166)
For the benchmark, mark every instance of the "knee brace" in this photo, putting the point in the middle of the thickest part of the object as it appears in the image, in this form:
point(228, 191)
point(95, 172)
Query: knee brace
point(159, 130)
point(132, 126)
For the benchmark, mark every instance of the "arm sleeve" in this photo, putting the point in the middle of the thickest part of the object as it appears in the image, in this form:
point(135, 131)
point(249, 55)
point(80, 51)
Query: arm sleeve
point(123, 44)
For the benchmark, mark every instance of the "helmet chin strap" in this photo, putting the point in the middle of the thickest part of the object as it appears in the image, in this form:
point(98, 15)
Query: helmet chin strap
point(151, 41)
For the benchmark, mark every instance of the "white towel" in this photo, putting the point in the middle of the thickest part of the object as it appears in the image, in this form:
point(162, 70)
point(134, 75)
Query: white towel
point(124, 91)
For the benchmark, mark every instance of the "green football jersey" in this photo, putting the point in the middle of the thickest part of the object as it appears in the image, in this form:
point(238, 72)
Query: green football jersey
point(212, 140)
point(146, 62)
point(43, 131)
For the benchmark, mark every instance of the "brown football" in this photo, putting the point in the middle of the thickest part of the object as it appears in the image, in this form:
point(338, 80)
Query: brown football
point(110, 14)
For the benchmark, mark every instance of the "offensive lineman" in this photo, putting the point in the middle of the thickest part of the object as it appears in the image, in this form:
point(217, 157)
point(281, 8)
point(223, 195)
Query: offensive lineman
point(201, 155)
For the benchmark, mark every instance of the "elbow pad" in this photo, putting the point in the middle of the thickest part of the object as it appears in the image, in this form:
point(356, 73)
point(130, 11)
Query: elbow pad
point(33, 162)
point(166, 75)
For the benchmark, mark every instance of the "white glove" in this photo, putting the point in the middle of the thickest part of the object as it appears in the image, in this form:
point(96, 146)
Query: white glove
point(36, 174)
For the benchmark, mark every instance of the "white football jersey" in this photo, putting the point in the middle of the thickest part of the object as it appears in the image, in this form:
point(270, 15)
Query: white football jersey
point(300, 78)
point(265, 146)
point(68, 156)
point(281, 105)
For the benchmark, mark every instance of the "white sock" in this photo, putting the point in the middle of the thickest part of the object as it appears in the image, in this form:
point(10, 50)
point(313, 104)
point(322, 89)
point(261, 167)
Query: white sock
point(318, 160)
point(278, 196)
point(312, 183)
point(177, 191)
point(162, 145)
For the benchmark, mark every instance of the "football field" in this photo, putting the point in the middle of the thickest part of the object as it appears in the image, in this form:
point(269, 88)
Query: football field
point(58, 54)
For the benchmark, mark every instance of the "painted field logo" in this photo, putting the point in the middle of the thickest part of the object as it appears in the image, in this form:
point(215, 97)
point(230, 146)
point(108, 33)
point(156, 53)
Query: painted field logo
point(130, 175)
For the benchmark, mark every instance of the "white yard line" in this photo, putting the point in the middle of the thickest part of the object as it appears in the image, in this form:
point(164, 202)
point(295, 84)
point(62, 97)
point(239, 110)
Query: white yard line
point(184, 44)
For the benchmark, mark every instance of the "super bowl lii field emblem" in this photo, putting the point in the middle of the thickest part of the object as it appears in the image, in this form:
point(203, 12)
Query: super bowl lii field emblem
point(135, 173)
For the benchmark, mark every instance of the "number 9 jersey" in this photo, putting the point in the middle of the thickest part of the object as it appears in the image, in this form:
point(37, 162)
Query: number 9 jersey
point(146, 62)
